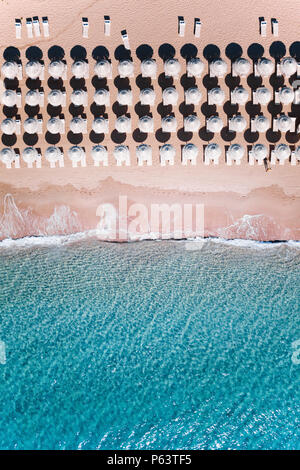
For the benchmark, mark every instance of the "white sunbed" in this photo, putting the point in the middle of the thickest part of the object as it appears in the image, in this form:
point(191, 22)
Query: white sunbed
point(29, 27)
point(125, 39)
point(181, 26)
point(36, 26)
point(85, 27)
point(197, 28)
point(107, 25)
point(45, 24)
point(18, 25)
point(263, 28)
point(275, 27)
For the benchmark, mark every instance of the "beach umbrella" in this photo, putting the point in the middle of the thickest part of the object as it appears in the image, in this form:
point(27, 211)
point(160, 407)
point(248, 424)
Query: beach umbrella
point(147, 96)
point(9, 70)
point(7, 155)
point(238, 123)
point(214, 124)
point(99, 153)
point(121, 154)
point(56, 69)
point(146, 124)
point(286, 95)
point(55, 98)
point(193, 96)
point(191, 123)
point(123, 124)
point(144, 152)
point(8, 126)
point(30, 155)
point(265, 67)
point(9, 98)
point(213, 152)
point(288, 66)
point(195, 67)
point(125, 68)
point(31, 126)
point(167, 153)
point(77, 125)
point(76, 153)
point(169, 124)
point(100, 125)
point(32, 98)
point(103, 69)
point(240, 95)
point(33, 69)
point(218, 67)
point(149, 68)
point(170, 96)
point(241, 67)
point(54, 125)
point(53, 154)
point(236, 152)
point(190, 152)
point(263, 95)
point(125, 97)
point(79, 69)
point(216, 96)
point(261, 123)
point(284, 123)
point(172, 68)
point(78, 97)
point(282, 152)
point(102, 97)
point(260, 152)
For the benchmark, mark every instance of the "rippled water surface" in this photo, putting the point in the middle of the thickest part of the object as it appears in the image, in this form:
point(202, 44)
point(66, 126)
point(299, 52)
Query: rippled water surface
point(149, 346)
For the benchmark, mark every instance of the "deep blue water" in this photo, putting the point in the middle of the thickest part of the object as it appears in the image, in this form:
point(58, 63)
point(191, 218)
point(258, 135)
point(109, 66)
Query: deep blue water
point(149, 346)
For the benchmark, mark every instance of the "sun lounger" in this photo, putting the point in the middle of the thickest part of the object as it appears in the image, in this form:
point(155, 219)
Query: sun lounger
point(19, 99)
point(36, 26)
point(45, 24)
point(197, 27)
point(18, 126)
point(181, 26)
point(29, 27)
point(125, 39)
point(18, 25)
point(274, 27)
point(263, 27)
point(85, 27)
point(107, 25)
point(297, 96)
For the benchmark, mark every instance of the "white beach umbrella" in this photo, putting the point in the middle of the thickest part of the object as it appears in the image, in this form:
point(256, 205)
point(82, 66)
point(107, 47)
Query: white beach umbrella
point(123, 124)
point(125, 97)
point(103, 69)
point(282, 152)
point(54, 125)
point(9, 70)
point(32, 98)
point(169, 124)
point(7, 155)
point(9, 98)
point(238, 123)
point(284, 123)
point(286, 95)
point(149, 68)
point(261, 123)
point(193, 96)
point(242, 67)
point(144, 152)
point(79, 69)
point(216, 96)
point(31, 126)
point(218, 67)
point(99, 153)
point(100, 125)
point(8, 126)
point(191, 123)
point(170, 96)
point(53, 154)
point(236, 152)
point(195, 67)
point(190, 151)
point(147, 96)
point(121, 154)
point(56, 69)
point(213, 152)
point(146, 124)
point(102, 97)
point(172, 68)
point(78, 97)
point(240, 95)
point(77, 125)
point(33, 69)
point(260, 152)
point(76, 153)
point(263, 95)
point(288, 66)
point(214, 124)
point(30, 155)
point(55, 98)
point(265, 67)
point(167, 153)
point(125, 68)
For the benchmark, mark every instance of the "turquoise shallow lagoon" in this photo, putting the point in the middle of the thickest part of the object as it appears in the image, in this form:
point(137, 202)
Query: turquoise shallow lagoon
point(149, 346)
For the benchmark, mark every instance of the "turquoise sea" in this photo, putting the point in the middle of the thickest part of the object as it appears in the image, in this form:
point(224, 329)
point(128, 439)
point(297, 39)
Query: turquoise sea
point(148, 345)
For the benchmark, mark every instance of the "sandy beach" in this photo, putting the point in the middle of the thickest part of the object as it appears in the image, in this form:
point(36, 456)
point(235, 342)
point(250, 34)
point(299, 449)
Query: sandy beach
point(239, 201)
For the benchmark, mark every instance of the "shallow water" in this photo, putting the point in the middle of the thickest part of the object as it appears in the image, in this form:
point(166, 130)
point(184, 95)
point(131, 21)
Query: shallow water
point(149, 346)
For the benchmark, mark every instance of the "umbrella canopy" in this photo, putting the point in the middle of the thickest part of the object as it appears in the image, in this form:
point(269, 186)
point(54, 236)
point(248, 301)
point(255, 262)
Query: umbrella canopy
point(262, 123)
point(190, 151)
point(56, 69)
point(55, 98)
point(284, 123)
point(260, 151)
point(31, 126)
point(52, 154)
point(32, 98)
point(76, 153)
point(236, 151)
point(123, 124)
point(240, 95)
point(54, 125)
point(288, 66)
point(193, 96)
point(33, 69)
point(167, 151)
point(77, 125)
point(78, 97)
point(242, 67)
point(125, 97)
point(99, 153)
point(169, 124)
point(265, 67)
point(100, 125)
point(214, 124)
point(125, 68)
point(146, 124)
point(9, 98)
point(218, 67)
point(147, 96)
point(7, 155)
point(149, 68)
point(282, 152)
point(191, 123)
point(9, 70)
point(144, 151)
point(30, 155)
point(121, 152)
point(216, 96)
point(8, 126)
point(213, 151)
point(195, 67)
point(286, 95)
point(263, 95)
point(79, 68)
point(172, 68)
point(238, 123)
point(103, 69)
point(170, 96)
point(102, 97)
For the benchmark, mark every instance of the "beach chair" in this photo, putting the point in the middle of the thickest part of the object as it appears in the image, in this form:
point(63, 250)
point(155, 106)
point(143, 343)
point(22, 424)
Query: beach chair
point(106, 25)
point(29, 27)
point(20, 72)
point(18, 25)
point(297, 96)
point(295, 157)
point(181, 26)
point(19, 99)
point(39, 160)
point(18, 126)
point(263, 27)
point(85, 27)
point(36, 26)
point(197, 28)
point(40, 125)
point(45, 24)
point(125, 39)
point(274, 27)
point(298, 69)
